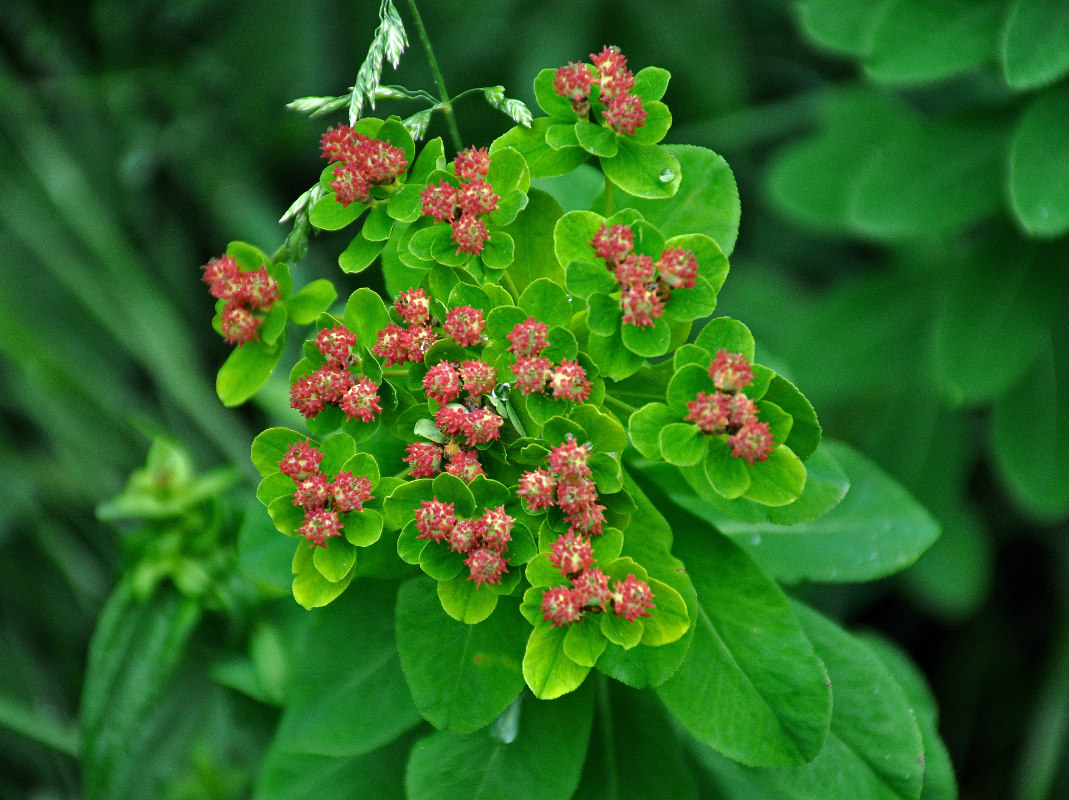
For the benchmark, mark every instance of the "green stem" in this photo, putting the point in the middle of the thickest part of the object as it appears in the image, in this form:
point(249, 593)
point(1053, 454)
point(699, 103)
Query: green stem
point(510, 286)
point(15, 716)
point(608, 196)
point(447, 104)
point(395, 373)
point(620, 405)
point(605, 722)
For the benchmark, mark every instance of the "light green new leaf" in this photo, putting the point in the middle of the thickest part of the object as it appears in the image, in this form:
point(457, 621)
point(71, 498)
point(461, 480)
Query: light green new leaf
point(308, 302)
point(1039, 166)
point(246, 369)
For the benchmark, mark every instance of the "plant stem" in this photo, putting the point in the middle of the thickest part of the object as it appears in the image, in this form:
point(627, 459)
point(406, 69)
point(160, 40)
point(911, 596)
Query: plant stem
point(620, 405)
point(447, 104)
point(510, 286)
point(395, 373)
point(608, 196)
point(605, 720)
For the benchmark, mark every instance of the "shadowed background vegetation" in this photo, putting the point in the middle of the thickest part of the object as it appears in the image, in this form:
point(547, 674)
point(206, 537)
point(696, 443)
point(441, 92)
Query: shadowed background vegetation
point(902, 256)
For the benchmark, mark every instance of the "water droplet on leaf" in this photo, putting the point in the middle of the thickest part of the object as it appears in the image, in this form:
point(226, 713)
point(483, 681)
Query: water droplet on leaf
point(667, 175)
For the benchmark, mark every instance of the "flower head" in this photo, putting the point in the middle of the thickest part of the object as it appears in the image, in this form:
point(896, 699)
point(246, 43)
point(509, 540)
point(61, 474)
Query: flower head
point(477, 377)
point(300, 461)
point(528, 338)
point(469, 234)
point(613, 243)
point(561, 606)
point(571, 553)
point(425, 458)
point(569, 382)
point(483, 425)
point(320, 525)
point(464, 325)
point(392, 345)
point(238, 324)
point(361, 400)
point(439, 201)
point(413, 306)
point(466, 535)
point(435, 520)
point(568, 460)
point(678, 268)
point(486, 565)
point(632, 598)
point(710, 412)
point(311, 492)
point(641, 305)
point(624, 113)
point(472, 163)
point(336, 344)
point(497, 528)
point(753, 441)
point(532, 373)
point(730, 371)
point(476, 197)
point(350, 492)
point(592, 586)
point(465, 465)
point(538, 488)
point(442, 383)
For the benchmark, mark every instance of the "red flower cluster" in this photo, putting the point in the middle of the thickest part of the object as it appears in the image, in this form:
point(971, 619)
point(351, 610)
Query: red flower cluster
point(445, 380)
point(247, 296)
point(728, 411)
point(363, 162)
point(645, 285)
point(322, 500)
point(332, 384)
point(566, 480)
point(622, 110)
point(535, 373)
point(465, 206)
point(484, 540)
point(567, 483)
point(464, 325)
point(397, 345)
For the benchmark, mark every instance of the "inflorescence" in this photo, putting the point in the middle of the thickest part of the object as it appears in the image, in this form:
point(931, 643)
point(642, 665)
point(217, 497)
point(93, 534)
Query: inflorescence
point(363, 162)
point(622, 109)
point(322, 500)
point(645, 285)
point(465, 206)
point(247, 296)
point(727, 411)
point(333, 384)
point(482, 540)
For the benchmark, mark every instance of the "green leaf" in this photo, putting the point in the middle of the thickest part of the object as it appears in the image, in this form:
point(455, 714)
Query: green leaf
point(360, 254)
point(335, 560)
point(751, 685)
point(378, 226)
point(406, 205)
point(994, 319)
point(584, 643)
point(534, 752)
point(614, 360)
point(1031, 433)
point(878, 529)
point(728, 476)
point(246, 369)
point(532, 232)
point(572, 235)
point(825, 486)
point(658, 121)
point(724, 333)
point(366, 316)
point(645, 425)
point(682, 444)
point(330, 215)
point(916, 41)
point(362, 528)
point(874, 749)
point(546, 668)
point(547, 302)
point(643, 170)
point(310, 588)
point(430, 158)
point(548, 100)
point(1039, 172)
point(649, 341)
point(846, 28)
point(303, 776)
point(685, 385)
point(307, 303)
point(464, 601)
point(1035, 43)
point(812, 179)
point(461, 676)
point(563, 135)
point(706, 202)
point(805, 430)
point(777, 481)
point(508, 171)
point(595, 139)
point(603, 312)
point(263, 555)
point(542, 160)
point(347, 653)
point(940, 177)
point(270, 446)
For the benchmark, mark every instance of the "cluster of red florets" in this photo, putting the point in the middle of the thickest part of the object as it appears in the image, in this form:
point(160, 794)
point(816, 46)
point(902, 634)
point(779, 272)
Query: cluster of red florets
point(728, 411)
point(247, 296)
point(466, 206)
point(397, 344)
point(566, 482)
point(645, 285)
point(323, 500)
point(483, 540)
point(535, 373)
point(332, 384)
point(363, 162)
point(621, 109)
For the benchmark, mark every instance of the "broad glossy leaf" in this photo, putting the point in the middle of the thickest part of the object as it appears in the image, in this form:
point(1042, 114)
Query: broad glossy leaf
point(645, 425)
point(547, 302)
point(707, 200)
point(360, 254)
point(310, 588)
point(330, 215)
point(270, 446)
point(643, 170)
point(346, 654)
point(777, 481)
point(366, 315)
point(751, 685)
point(461, 676)
point(614, 360)
point(335, 560)
point(535, 752)
point(596, 139)
point(286, 775)
point(648, 341)
point(532, 232)
point(1035, 43)
point(1031, 433)
point(843, 27)
point(941, 177)
point(246, 369)
point(308, 302)
point(994, 319)
point(917, 41)
point(543, 160)
point(263, 553)
point(1039, 165)
point(878, 529)
point(464, 601)
point(874, 749)
point(546, 667)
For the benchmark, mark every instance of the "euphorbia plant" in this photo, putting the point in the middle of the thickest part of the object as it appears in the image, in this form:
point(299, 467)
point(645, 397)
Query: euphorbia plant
point(543, 435)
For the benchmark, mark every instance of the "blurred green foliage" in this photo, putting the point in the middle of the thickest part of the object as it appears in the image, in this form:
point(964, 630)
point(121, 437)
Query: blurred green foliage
point(903, 250)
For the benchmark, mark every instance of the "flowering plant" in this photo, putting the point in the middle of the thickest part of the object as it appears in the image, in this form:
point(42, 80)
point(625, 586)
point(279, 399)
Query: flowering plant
point(553, 454)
